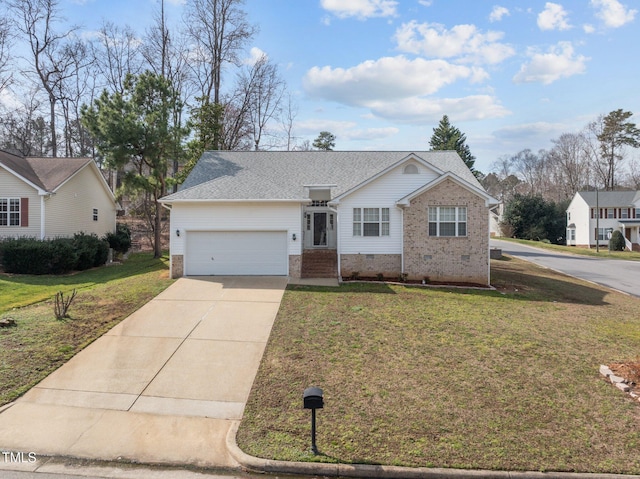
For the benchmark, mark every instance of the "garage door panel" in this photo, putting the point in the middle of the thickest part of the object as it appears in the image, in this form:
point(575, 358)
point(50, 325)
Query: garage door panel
point(236, 253)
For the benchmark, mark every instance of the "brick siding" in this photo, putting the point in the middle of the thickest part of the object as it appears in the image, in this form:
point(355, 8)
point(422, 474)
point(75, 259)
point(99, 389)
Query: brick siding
point(389, 265)
point(459, 259)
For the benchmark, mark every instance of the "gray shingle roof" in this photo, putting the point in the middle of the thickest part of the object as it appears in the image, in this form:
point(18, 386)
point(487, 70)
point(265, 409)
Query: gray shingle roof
point(609, 198)
point(282, 175)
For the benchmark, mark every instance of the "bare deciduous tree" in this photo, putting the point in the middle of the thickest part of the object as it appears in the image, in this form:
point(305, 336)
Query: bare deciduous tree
point(264, 88)
point(569, 164)
point(6, 75)
point(219, 32)
point(53, 58)
point(116, 53)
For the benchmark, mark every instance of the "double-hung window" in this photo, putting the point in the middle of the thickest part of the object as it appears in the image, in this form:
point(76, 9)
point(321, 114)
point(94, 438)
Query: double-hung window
point(371, 222)
point(447, 221)
point(9, 211)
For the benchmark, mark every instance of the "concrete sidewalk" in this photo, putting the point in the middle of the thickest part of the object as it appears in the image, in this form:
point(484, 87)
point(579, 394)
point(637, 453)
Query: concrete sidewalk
point(163, 387)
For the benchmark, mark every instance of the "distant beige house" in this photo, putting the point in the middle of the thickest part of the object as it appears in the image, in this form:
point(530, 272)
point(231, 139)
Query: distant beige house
point(53, 197)
point(592, 217)
point(421, 215)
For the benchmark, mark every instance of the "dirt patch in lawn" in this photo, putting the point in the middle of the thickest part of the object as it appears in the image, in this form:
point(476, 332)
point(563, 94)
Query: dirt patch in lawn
point(628, 370)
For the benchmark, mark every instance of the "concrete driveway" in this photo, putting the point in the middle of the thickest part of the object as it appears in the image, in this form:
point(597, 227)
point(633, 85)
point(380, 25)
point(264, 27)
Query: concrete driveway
point(164, 386)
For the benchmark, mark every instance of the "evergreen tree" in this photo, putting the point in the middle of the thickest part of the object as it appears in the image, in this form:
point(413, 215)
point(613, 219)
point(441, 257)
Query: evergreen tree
point(135, 132)
point(326, 141)
point(448, 137)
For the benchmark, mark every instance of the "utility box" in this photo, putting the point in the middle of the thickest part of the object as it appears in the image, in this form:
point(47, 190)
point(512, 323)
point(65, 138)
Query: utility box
point(313, 398)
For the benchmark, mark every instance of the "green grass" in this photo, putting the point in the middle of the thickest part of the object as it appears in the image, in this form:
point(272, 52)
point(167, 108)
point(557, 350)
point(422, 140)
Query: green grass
point(603, 253)
point(21, 290)
point(40, 343)
point(503, 380)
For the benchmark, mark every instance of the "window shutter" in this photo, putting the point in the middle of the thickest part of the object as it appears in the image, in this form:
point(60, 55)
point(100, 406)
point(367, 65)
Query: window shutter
point(24, 212)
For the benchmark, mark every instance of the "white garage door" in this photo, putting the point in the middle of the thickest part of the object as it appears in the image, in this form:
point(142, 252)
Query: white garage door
point(236, 253)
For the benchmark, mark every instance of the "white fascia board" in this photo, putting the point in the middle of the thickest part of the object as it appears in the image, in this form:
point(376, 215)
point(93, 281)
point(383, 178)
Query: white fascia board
point(244, 200)
point(40, 191)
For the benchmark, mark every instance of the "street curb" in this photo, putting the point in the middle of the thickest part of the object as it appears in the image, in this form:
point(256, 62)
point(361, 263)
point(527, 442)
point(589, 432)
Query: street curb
point(256, 464)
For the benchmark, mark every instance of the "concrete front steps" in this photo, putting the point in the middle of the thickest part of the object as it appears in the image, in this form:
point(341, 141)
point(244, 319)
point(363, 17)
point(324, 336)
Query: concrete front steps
point(319, 263)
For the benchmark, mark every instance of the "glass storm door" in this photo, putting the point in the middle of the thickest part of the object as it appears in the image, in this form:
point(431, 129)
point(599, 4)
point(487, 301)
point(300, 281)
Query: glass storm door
point(319, 229)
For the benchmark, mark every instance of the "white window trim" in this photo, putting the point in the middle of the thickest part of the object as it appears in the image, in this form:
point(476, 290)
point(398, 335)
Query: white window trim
point(9, 211)
point(358, 222)
point(457, 221)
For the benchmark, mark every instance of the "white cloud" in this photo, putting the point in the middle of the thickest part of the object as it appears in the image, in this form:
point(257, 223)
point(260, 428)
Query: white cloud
point(613, 13)
point(425, 3)
point(553, 17)
point(255, 54)
point(396, 88)
point(464, 42)
point(360, 9)
point(498, 13)
point(388, 78)
point(347, 130)
point(560, 61)
point(587, 28)
point(421, 110)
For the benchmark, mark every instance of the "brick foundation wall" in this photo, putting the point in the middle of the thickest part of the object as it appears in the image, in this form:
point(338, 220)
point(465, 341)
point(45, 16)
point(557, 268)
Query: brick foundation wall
point(452, 259)
point(390, 265)
point(177, 266)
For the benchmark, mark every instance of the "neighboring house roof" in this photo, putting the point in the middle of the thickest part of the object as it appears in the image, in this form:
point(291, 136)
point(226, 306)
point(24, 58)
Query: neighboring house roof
point(283, 175)
point(46, 174)
point(609, 198)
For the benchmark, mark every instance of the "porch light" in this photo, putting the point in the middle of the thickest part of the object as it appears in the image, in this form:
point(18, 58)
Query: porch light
point(177, 232)
point(293, 236)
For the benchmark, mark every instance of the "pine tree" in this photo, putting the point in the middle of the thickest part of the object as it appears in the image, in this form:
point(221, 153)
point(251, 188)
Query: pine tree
point(448, 137)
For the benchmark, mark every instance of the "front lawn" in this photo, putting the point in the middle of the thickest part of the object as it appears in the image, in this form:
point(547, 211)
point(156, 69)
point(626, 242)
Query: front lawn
point(39, 343)
point(504, 380)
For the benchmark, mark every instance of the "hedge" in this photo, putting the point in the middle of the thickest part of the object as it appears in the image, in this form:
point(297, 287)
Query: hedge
point(56, 256)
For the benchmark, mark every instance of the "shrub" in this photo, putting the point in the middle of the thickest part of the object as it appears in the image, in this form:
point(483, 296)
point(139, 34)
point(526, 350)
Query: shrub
point(57, 256)
point(63, 256)
point(91, 251)
point(120, 241)
point(616, 243)
point(26, 256)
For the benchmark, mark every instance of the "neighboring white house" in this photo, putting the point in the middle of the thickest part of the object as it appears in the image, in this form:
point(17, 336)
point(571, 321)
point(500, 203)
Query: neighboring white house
point(419, 214)
point(53, 197)
point(592, 216)
point(495, 219)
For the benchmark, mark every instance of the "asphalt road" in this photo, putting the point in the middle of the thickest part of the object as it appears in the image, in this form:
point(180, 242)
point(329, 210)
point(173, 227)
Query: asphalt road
point(616, 274)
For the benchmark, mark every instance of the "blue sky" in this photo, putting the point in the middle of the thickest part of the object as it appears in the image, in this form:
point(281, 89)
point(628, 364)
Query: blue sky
point(379, 74)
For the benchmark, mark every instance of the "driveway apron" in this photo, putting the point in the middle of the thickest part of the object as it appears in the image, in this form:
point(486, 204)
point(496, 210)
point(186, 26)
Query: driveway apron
point(163, 386)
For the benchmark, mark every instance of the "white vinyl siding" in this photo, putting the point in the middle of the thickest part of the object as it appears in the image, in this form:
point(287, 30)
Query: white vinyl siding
point(72, 209)
point(383, 192)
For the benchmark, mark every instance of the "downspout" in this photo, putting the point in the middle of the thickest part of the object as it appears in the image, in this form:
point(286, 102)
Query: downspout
point(337, 241)
point(42, 218)
point(402, 242)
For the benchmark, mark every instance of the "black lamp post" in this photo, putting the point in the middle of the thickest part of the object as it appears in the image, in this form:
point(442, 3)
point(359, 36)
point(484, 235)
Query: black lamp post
point(313, 399)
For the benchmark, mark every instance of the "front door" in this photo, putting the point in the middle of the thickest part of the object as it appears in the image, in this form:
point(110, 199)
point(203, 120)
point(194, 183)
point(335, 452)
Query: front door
point(320, 229)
